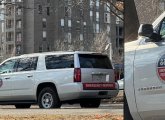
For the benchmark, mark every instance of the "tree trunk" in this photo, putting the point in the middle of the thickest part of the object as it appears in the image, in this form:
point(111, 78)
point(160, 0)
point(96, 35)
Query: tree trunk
point(131, 23)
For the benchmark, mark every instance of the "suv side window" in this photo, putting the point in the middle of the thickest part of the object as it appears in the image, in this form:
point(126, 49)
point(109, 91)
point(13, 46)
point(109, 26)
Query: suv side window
point(8, 66)
point(162, 29)
point(27, 64)
point(59, 61)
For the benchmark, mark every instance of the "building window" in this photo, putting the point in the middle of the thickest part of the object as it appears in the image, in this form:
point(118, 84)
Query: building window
point(80, 1)
point(91, 3)
point(10, 49)
point(48, 1)
point(69, 12)
point(48, 47)
point(69, 23)
point(10, 10)
point(97, 28)
point(9, 24)
point(18, 0)
point(97, 3)
point(118, 20)
point(40, 48)
point(108, 28)
point(69, 2)
point(3, 25)
point(62, 22)
point(91, 14)
point(66, 11)
point(69, 37)
point(94, 27)
point(44, 35)
point(2, 17)
point(19, 24)
point(48, 11)
point(9, 36)
point(44, 22)
point(107, 7)
point(19, 37)
point(19, 11)
point(162, 5)
point(3, 38)
point(97, 16)
point(107, 17)
point(18, 49)
point(81, 12)
point(85, 23)
point(81, 37)
point(39, 9)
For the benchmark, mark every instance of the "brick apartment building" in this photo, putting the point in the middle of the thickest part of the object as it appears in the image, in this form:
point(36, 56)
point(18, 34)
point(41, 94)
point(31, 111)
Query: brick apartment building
point(29, 26)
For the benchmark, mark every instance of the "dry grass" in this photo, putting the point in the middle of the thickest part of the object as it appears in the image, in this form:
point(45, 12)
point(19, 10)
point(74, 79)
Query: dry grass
point(63, 117)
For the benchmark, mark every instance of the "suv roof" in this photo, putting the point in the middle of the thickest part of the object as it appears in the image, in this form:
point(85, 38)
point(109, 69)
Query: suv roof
point(54, 52)
point(59, 52)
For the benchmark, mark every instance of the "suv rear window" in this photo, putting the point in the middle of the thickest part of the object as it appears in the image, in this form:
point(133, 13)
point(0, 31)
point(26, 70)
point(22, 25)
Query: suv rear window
point(59, 61)
point(94, 61)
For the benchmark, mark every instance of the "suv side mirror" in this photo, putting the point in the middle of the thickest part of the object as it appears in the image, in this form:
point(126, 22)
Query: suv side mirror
point(145, 30)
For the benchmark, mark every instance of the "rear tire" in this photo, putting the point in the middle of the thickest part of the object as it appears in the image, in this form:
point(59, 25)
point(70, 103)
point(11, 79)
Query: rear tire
point(127, 114)
point(90, 103)
point(48, 98)
point(22, 106)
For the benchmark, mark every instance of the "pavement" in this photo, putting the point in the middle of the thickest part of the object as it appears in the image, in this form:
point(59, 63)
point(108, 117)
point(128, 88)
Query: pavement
point(105, 108)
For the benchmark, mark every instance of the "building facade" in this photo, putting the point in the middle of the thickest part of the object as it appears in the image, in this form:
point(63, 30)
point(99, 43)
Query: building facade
point(30, 26)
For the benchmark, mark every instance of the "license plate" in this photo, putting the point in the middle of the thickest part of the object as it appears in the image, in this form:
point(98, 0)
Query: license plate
point(98, 78)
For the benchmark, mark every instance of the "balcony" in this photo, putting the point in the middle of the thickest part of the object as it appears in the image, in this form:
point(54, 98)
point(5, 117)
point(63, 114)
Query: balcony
point(9, 29)
point(9, 39)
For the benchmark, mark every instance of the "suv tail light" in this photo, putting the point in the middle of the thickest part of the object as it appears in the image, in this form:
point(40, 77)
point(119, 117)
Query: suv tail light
point(77, 75)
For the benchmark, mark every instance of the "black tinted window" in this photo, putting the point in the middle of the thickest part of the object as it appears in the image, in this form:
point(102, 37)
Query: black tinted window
point(94, 61)
point(59, 61)
point(27, 64)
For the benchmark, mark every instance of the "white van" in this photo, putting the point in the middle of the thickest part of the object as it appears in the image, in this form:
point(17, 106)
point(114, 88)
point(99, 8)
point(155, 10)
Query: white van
point(49, 79)
point(145, 73)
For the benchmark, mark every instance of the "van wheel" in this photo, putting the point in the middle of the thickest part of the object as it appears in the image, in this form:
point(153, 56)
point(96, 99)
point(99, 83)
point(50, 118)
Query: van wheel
point(48, 98)
point(127, 114)
point(90, 103)
point(19, 106)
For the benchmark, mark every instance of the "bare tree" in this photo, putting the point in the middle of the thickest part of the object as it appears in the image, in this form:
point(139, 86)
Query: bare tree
point(100, 43)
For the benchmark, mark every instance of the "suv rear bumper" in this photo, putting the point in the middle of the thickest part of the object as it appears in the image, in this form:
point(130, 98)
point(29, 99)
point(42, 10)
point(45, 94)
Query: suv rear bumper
point(102, 94)
point(75, 91)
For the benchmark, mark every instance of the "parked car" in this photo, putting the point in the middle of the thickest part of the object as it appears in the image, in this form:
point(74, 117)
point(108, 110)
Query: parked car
point(121, 84)
point(50, 79)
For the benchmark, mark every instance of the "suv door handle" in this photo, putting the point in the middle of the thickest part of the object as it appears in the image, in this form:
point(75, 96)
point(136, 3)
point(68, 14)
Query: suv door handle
point(7, 78)
point(29, 76)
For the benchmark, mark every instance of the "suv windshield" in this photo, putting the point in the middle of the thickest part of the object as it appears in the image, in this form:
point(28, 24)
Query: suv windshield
point(94, 61)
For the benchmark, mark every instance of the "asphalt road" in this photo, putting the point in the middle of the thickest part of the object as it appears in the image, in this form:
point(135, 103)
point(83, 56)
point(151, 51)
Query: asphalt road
point(66, 109)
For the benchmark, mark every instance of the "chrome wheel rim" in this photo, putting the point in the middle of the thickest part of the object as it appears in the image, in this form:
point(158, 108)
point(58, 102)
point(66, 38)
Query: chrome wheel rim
point(47, 100)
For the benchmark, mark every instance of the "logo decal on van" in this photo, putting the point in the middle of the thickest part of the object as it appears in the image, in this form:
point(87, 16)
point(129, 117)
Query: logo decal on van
point(1, 82)
point(161, 67)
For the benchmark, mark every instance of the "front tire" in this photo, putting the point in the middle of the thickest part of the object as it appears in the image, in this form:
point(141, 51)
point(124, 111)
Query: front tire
point(90, 103)
point(22, 106)
point(48, 98)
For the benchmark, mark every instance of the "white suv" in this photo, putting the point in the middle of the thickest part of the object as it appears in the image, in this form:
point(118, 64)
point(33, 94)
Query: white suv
point(50, 79)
